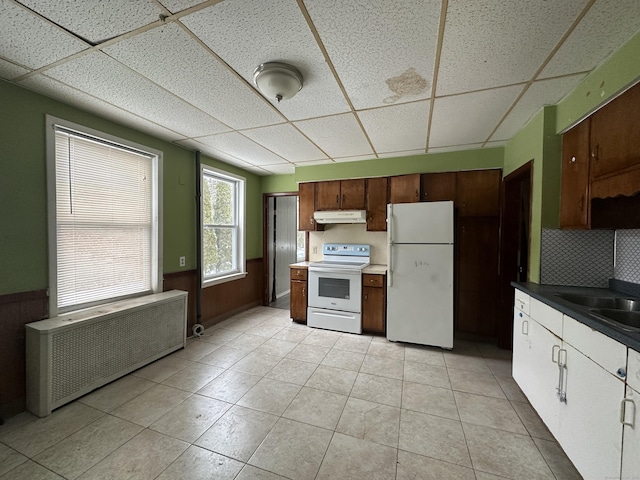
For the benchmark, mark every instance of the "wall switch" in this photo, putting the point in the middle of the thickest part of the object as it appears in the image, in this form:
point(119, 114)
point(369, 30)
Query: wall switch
point(315, 249)
point(183, 261)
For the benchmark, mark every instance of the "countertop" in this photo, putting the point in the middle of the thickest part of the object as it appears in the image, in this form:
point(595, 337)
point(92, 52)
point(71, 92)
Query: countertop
point(548, 294)
point(375, 269)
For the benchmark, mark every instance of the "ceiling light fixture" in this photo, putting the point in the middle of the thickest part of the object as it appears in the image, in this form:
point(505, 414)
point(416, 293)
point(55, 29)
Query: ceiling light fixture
point(278, 81)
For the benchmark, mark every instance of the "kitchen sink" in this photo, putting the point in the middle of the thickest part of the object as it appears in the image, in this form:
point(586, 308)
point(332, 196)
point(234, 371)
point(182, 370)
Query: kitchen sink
point(625, 319)
point(604, 303)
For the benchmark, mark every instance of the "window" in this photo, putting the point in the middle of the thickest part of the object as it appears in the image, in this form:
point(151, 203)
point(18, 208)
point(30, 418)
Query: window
point(104, 217)
point(222, 226)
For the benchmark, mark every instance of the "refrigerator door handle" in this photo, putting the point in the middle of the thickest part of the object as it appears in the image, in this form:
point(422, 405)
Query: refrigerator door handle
point(389, 244)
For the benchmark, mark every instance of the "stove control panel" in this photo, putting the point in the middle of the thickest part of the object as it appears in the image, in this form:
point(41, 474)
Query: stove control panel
point(350, 249)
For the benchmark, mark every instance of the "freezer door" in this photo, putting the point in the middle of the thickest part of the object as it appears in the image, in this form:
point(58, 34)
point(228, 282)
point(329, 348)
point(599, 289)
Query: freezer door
point(420, 299)
point(426, 222)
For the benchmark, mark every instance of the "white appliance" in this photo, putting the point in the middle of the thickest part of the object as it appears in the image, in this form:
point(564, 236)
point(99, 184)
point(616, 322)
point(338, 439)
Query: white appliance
point(340, 216)
point(420, 273)
point(335, 287)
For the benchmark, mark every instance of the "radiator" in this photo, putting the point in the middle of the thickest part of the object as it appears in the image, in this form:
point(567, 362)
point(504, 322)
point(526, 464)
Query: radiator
point(71, 355)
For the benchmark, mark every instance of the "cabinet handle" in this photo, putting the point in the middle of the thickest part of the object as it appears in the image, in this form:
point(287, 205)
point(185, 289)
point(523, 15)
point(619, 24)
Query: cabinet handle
point(525, 331)
point(595, 152)
point(366, 297)
point(311, 220)
point(572, 160)
point(303, 292)
point(623, 412)
point(562, 367)
point(418, 194)
point(553, 352)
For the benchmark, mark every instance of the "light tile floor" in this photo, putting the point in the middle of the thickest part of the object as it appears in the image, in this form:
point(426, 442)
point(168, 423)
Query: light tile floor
point(260, 397)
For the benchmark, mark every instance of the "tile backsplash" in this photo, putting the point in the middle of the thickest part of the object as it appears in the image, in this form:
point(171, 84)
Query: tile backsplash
point(627, 265)
point(577, 257)
point(589, 258)
point(348, 233)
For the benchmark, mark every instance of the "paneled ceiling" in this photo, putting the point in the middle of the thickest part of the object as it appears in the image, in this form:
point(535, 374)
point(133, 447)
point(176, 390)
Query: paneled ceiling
point(382, 78)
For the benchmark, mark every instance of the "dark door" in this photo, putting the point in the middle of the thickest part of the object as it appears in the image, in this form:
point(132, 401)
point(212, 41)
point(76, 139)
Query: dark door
point(514, 246)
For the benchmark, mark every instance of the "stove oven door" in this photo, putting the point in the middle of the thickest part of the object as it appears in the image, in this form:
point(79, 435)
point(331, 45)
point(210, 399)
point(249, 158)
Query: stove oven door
point(335, 289)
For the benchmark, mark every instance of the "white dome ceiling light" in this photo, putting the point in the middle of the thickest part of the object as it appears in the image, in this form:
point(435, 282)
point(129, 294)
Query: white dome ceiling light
point(277, 81)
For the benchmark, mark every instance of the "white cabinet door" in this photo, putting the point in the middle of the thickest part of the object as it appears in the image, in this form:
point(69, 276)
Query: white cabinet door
point(590, 430)
point(521, 368)
point(631, 443)
point(541, 391)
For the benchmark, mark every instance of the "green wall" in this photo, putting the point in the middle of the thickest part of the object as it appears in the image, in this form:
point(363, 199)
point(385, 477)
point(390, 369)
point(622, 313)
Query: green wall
point(23, 208)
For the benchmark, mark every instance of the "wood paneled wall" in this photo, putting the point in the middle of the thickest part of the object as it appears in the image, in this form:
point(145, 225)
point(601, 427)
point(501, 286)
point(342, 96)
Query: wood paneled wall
point(16, 310)
point(223, 300)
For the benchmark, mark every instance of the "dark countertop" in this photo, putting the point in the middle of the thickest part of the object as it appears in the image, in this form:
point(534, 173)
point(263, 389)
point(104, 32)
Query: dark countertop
point(548, 294)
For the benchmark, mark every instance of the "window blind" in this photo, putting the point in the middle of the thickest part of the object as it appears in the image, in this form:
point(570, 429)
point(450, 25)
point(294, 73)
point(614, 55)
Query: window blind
point(104, 220)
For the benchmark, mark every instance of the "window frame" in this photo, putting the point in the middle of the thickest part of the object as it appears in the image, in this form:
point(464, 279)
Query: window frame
point(156, 273)
point(240, 213)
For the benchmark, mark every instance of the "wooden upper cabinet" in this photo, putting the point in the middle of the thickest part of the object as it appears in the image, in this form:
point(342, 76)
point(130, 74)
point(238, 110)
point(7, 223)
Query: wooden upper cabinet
point(574, 201)
point(340, 195)
point(352, 194)
point(615, 135)
point(404, 188)
point(328, 195)
point(478, 193)
point(438, 187)
point(306, 207)
point(377, 204)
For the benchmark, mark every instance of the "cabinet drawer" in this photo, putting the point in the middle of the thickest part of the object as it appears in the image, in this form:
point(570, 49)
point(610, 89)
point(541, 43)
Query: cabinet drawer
point(606, 352)
point(298, 274)
point(547, 316)
point(522, 301)
point(372, 280)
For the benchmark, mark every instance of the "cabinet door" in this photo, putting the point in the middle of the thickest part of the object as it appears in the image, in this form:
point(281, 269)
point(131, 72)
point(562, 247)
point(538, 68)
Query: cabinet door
point(477, 275)
point(299, 301)
point(521, 360)
point(373, 309)
point(615, 134)
point(377, 204)
point(352, 194)
point(478, 193)
point(404, 188)
point(590, 430)
point(328, 195)
point(541, 386)
point(438, 187)
point(574, 200)
point(631, 439)
point(306, 207)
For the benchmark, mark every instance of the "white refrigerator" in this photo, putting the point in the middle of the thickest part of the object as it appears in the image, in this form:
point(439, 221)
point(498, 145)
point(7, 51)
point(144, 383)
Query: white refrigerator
point(420, 273)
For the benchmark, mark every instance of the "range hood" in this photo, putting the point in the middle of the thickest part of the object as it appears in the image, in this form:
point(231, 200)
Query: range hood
point(340, 216)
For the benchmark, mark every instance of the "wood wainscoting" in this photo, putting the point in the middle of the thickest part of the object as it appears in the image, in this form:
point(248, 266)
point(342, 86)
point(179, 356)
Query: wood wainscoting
point(220, 301)
point(16, 310)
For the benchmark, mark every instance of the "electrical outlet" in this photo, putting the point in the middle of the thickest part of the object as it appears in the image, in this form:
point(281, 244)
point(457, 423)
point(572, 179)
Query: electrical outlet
point(315, 249)
point(183, 261)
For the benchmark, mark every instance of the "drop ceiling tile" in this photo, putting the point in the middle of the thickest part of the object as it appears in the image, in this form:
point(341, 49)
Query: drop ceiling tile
point(286, 141)
point(246, 36)
point(338, 136)
point(19, 44)
point(314, 162)
point(283, 169)
point(105, 78)
point(403, 153)
point(455, 148)
point(175, 6)
point(396, 128)
point(52, 88)
point(174, 60)
point(469, 118)
point(98, 20)
point(357, 158)
point(594, 39)
point(9, 70)
point(489, 43)
point(241, 147)
point(544, 92)
point(212, 152)
point(258, 171)
point(383, 51)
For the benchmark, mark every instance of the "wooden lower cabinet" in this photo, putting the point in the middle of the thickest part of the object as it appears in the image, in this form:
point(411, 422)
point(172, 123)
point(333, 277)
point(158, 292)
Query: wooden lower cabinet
point(374, 303)
point(298, 294)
